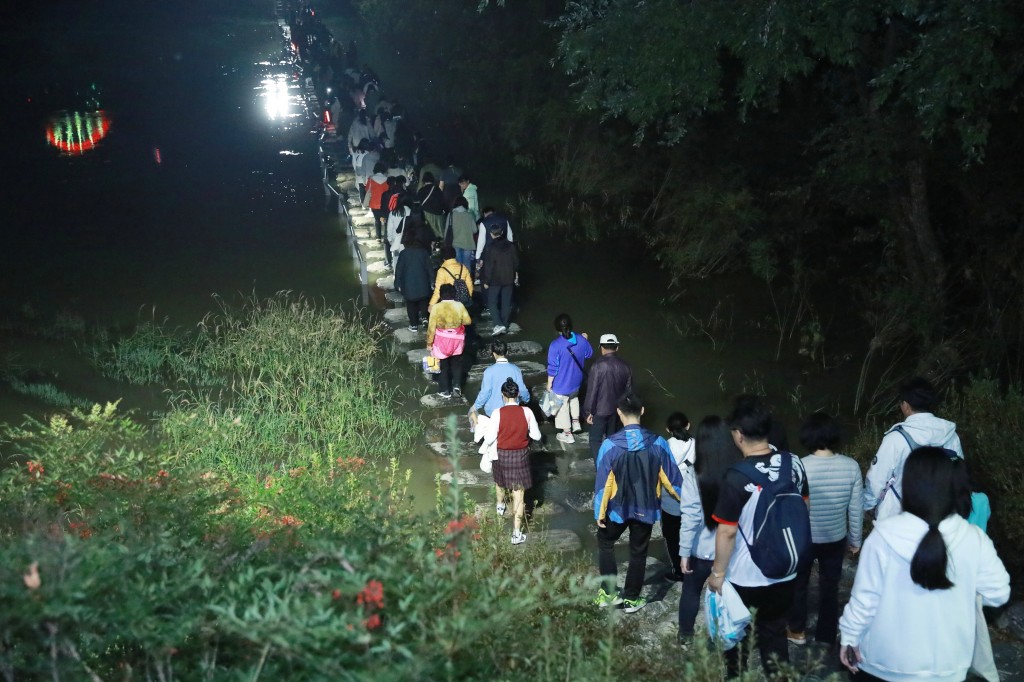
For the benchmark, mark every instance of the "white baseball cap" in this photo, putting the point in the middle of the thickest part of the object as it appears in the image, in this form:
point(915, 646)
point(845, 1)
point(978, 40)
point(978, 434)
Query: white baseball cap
point(609, 340)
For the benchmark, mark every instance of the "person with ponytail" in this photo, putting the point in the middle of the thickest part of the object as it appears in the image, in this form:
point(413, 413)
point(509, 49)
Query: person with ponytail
point(510, 430)
point(566, 356)
point(912, 613)
point(680, 444)
point(714, 452)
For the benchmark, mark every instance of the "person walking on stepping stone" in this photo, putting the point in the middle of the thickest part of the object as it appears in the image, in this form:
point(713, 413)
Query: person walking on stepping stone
point(609, 379)
point(446, 339)
point(500, 276)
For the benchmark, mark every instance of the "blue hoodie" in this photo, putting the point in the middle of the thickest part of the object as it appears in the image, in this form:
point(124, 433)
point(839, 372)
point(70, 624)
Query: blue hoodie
point(568, 375)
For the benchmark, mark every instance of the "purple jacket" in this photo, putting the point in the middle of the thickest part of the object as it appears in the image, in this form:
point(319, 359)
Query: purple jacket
point(568, 375)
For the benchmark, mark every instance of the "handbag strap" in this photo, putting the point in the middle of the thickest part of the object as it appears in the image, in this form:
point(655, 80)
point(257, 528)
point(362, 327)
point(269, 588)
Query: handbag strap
point(574, 358)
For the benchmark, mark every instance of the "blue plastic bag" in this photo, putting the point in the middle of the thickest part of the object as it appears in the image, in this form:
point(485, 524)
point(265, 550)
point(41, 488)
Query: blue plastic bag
point(727, 616)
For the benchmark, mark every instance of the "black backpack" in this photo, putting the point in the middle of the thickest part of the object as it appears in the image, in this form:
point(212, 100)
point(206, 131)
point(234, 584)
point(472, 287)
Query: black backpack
point(461, 290)
point(781, 541)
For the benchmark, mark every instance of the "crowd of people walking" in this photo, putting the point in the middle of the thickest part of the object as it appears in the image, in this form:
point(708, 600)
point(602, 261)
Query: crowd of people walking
point(739, 512)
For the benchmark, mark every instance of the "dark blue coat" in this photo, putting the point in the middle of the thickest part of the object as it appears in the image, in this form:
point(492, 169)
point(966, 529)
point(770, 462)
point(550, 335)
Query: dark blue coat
point(413, 275)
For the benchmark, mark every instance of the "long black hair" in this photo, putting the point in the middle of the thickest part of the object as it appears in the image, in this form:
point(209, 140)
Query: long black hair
point(930, 493)
point(563, 325)
point(715, 452)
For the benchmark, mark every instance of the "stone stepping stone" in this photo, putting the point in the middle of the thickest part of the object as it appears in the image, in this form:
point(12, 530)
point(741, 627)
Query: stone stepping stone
point(387, 283)
point(583, 467)
point(547, 510)
point(397, 298)
point(581, 502)
point(557, 539)
point(377, 266)
point(467, 478)
point(434, 400)
point(528, 368)
point(376, 254)
point(467, 448)
point(403, 335)
point(582, 442)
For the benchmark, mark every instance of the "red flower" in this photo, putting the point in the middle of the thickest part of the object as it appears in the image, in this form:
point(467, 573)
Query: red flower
point(336, 595)
point(372, 595)
point(372, 622)
point(35, 468)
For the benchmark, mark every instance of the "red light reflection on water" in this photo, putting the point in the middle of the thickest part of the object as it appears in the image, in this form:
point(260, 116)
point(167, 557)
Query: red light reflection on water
point(74, 132)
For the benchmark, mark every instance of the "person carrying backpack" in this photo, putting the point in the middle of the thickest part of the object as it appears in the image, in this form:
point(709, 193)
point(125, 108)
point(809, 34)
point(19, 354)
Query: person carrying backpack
point(764, 533)
point(883, 486)
point(633, 467)
point(455, 273)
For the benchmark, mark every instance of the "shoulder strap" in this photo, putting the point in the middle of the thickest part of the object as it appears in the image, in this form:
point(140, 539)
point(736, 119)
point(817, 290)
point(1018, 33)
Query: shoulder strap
point(574, 358)
point(429, 194)
point(906, 436)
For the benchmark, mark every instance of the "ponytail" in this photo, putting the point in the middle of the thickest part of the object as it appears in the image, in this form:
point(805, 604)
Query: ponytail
point(930, 491)
point(563, 325)
point(677, 425)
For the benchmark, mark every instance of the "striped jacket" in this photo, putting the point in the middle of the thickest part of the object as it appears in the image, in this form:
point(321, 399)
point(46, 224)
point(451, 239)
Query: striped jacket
point(836, 507)
point(633, 466)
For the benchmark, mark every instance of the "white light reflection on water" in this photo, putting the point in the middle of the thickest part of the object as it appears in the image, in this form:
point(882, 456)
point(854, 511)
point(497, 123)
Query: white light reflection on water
point(280, 94)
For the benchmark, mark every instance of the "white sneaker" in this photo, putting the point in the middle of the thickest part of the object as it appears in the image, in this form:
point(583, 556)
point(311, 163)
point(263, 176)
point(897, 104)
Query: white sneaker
point(498, 331)
point(500, 508)
point(564, 437)
point(518, 538)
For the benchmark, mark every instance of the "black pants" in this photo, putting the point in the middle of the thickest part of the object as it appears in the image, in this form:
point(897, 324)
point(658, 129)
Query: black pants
point(639, 538)
point(602, 426)
point(417, 311)
point(772, 604)
point(499, 300)
point(829, 556)
point(451, 373)
point(670, 524)
point(387, 252)
point(689, 600)
point(380, 216)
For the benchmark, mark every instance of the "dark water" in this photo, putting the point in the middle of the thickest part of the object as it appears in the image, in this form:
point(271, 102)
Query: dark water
point(206, 182)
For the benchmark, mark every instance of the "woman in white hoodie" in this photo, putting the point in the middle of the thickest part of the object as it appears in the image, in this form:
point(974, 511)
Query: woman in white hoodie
point(912, 613)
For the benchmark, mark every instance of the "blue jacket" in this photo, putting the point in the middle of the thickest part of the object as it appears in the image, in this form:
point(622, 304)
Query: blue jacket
point(568, 376)
point(633, 466)
point(490, 398)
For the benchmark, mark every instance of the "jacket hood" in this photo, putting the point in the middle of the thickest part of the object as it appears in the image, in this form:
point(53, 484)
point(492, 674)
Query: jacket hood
point(925, 428)
point(379, 177)
point(904, 531)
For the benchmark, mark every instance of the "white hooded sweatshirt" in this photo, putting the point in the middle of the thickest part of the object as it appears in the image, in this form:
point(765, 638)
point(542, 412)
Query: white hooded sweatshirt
point(925, 429)
point(906, 632)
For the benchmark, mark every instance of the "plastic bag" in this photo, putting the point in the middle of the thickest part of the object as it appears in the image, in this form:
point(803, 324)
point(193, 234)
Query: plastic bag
point(727, 616)
point(431, 365)
point(549, 402)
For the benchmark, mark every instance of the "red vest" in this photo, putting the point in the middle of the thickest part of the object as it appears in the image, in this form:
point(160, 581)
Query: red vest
point(513, 429)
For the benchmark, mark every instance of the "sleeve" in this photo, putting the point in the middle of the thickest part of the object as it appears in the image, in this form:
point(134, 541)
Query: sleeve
point(491, 430)
point(955, 445)
point(486, 388)
point(856, 509)
point(400, 274)
point(798, 467)
point(629, 377)
point(464, 314)
point(732, 495)
point(691, 513)
point(588, 350)
point(524, 392)
point(605, 478)
point(508, 230)
point(531, 422)
point(993, 584)
point(552, 360)
point(594, 380)
point(866, 595)
point(670, 476)
point(431, 322)
point(883, 466)
point(481, 239)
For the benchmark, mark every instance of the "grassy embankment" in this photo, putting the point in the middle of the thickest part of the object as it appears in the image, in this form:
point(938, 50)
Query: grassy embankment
point(260, 529)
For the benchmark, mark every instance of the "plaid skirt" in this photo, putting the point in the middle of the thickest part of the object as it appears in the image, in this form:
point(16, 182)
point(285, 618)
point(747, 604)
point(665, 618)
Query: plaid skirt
point(512, 469)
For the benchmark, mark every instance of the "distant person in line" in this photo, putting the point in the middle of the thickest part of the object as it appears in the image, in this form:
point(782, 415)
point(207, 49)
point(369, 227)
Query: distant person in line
point(681, 445)
point(429, 167)
point(738, 496)
point(358, 131)
point(714, 453)
point(395, 226)
point(376, 185)
point(469, 193)
point(912, 613)
point(446, 339)
point(367, 167)
point(490, 397)
point(510, 430)
point(500, 277)
point(386, 128)
point(357, 167)
point(460, 232)
point(883, 487)
point(837, 514)
point(448, 181)
point(450, 271)
point(567, 355)
point(610, 378)
point(633, 467)
point(491, 222)
point(431, 199)
point(413, 276)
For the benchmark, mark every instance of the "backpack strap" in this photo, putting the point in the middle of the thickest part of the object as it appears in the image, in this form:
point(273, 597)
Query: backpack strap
point(914, 445)
point(574, 358)
point(748, 469)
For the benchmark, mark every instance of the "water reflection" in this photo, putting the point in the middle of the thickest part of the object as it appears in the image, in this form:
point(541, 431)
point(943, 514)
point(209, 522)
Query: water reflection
point(281, 95)
point(74, 132)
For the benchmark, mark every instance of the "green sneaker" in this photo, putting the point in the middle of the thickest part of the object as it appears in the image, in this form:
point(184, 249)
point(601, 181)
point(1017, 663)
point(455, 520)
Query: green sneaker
point(604, 599)
point(633, 605)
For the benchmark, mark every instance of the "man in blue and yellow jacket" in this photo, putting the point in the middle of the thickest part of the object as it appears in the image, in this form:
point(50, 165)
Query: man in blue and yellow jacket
point(632, 467)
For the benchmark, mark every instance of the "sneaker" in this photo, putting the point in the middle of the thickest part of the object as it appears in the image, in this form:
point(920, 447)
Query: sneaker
point(457, 392)
point(633, 605)
point(413, 328)
point(498, 331)
point(444, 395)
point(798, 638)
point(576, 428)
point(605, 600)
point(500, 508)
point(564, 437)
point(518, 538)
